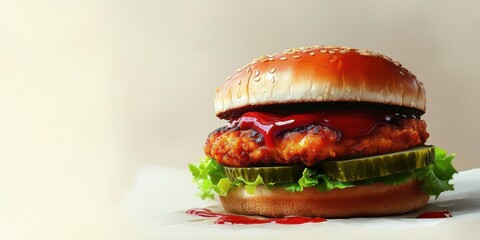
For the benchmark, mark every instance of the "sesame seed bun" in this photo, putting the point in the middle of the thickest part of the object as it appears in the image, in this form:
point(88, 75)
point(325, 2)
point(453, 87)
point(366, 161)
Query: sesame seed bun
point(359, 201)
point(319, 74)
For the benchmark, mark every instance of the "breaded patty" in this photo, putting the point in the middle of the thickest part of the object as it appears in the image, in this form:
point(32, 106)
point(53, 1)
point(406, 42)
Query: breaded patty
point(309, 145)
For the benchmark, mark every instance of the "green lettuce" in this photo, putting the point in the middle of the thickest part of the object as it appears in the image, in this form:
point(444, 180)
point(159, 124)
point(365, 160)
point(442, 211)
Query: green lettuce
point(250, 186)
point(436, 176)
point(211, 179)
point(310, 178)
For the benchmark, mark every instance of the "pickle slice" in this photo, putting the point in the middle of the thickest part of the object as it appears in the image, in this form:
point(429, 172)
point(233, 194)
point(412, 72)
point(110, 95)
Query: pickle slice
point(379, 165)
point(270, 175)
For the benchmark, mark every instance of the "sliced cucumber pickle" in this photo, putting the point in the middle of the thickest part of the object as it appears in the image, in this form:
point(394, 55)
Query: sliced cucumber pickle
point(379, 165)
point(270, 175)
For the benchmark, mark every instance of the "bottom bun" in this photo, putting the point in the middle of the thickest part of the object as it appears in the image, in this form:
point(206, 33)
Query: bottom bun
point(359, 201)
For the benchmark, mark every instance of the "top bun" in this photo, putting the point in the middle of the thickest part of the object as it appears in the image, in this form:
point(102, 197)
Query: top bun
point(319, 74)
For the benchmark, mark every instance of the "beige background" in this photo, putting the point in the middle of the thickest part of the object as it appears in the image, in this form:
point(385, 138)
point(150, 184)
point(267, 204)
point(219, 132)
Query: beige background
point(92, 90)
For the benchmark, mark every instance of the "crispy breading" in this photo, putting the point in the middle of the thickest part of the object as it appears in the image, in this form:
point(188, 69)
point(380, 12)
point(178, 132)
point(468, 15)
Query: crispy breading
point(309, 145)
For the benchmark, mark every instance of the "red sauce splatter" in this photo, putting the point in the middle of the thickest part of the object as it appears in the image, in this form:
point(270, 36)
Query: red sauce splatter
point(439, 214)
point(353, 123)
point(239, 219)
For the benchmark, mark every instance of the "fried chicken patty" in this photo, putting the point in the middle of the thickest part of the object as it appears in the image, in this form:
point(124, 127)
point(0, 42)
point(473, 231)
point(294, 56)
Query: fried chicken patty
point(309, 145)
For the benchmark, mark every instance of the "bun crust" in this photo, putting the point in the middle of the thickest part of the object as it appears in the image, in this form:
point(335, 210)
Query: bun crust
point(319, 74)
point(359, 201)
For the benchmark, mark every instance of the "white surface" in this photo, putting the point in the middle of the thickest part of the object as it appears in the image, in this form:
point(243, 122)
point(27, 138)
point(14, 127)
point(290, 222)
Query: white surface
point(158, 209)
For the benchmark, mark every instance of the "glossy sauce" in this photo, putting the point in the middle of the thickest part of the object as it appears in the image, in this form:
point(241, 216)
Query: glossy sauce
point(240, 219)
point(352, 123)
point(439, 214)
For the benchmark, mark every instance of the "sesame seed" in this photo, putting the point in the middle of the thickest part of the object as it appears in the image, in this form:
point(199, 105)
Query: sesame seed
point(312, 53)
point(257, 73)
point(264, 60)
point(295, 56)
point(270, 59)
point(273, 70)
point(256, 79)
point(323, 50)
point(291, 51)
point(401, 73)
point(331, 51)
point(272, 78)
point(398, 63)
point(228, 78)
point(283, 58)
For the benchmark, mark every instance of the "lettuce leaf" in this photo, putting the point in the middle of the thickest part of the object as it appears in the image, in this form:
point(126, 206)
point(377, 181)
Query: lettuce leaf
point(311, 178)
point(250, 186)
point(436, 176)
point(211, 179)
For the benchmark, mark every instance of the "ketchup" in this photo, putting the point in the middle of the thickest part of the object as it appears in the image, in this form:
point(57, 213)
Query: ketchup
point(353, 122)
point(239, 219)
point(439, 214)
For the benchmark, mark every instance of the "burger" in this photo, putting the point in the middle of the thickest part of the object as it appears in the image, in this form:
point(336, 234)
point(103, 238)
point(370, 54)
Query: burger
point(323, 131)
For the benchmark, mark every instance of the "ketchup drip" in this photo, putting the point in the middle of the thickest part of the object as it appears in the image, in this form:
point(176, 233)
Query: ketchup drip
point(352, 123)
point(239, 219)
point(439, 214)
